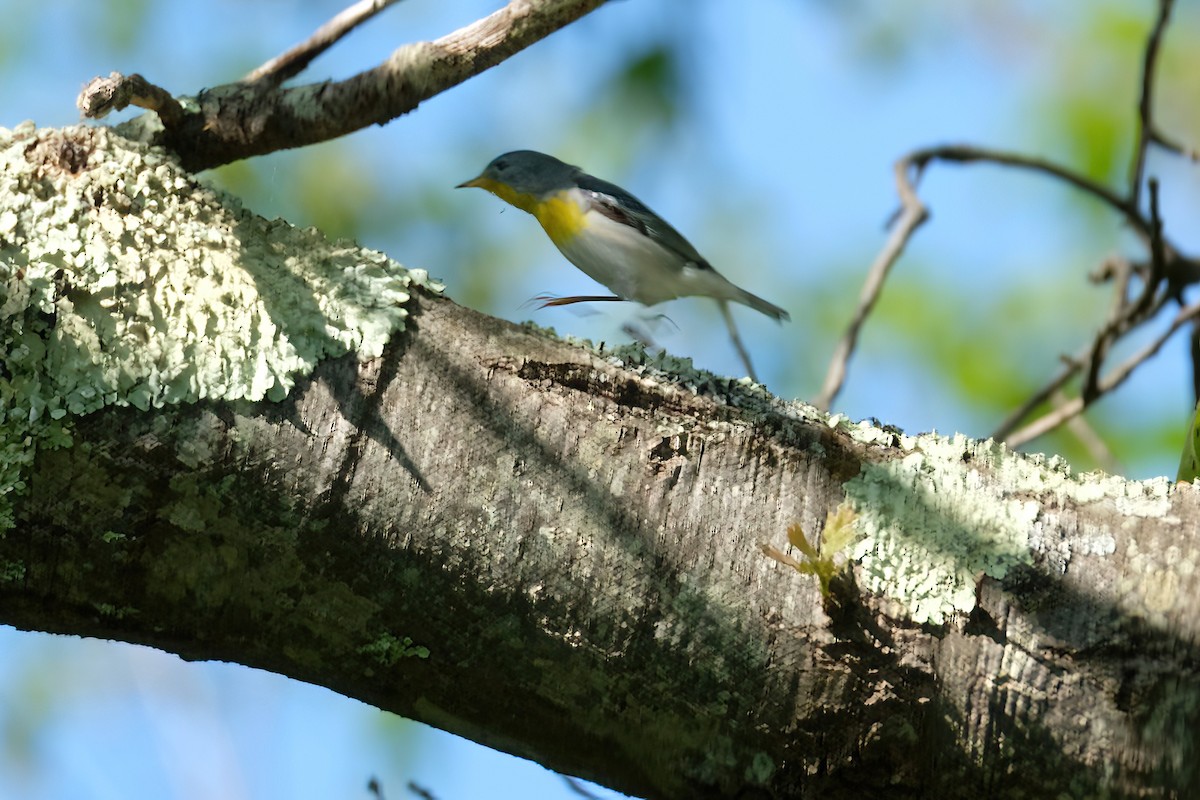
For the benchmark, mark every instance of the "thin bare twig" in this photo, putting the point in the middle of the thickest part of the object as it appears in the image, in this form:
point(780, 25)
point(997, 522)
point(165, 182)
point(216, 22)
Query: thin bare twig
point(576, 785)
point(1071, 367)
point(1145, 133)
point(1171, 146)
point(1120, 271)
point(1123, 317)
point(1095, 359)
point(1091, 440)
point(293, 62)
point(420, 791)
point(1122, 320)
point(240, 120)
point(1158, 249)
point(1109, 382)
point(913, 214)
point(967, 154)
point(743, 354)
point(1128, 316)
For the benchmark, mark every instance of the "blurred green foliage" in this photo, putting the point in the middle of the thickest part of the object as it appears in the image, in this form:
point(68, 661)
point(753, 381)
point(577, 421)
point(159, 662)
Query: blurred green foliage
point(1189, 459)
point(1088, 103)
point(120, 23)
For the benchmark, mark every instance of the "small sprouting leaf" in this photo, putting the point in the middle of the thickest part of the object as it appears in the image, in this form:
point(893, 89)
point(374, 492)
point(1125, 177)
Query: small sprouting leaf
point(839, 531)
point(781, 557)
point(838, 534)
point(797, 539)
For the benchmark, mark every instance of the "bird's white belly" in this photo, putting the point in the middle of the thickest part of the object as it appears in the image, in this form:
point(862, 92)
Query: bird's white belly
point(630, 264)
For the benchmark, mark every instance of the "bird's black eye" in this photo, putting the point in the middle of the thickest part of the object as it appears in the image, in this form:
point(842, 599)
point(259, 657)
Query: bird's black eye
point(500, 166)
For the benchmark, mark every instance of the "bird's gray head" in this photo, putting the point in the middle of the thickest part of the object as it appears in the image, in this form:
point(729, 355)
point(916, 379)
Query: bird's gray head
point(525, 172)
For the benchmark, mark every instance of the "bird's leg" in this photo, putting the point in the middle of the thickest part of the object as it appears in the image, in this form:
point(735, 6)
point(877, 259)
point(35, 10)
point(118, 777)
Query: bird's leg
point(640, 335)
point(547, 301)
point(737, 340)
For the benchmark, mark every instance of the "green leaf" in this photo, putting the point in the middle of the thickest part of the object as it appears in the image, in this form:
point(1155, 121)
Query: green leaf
point(839, 532)
point(797, 540)
point(1188, 466)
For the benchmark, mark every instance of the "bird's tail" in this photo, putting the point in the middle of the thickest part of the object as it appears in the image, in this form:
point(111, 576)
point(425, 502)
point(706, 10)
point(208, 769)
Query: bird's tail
point(758, 304)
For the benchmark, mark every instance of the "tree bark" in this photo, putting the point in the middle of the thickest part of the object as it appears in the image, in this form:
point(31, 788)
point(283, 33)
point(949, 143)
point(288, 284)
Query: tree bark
point(557, 553)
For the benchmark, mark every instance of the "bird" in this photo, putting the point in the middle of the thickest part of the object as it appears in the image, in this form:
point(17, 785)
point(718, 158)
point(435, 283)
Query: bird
point(614, 238)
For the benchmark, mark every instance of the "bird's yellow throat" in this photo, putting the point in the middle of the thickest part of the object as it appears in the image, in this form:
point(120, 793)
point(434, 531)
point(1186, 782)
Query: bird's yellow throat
point(560, 215)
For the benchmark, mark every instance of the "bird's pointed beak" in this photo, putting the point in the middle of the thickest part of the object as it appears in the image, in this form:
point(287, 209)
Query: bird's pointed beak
point(473, 182)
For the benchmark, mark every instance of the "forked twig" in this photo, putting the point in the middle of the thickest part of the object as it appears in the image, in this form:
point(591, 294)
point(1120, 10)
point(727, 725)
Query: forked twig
point(913, 213)
point(1165, 272)
point(1109, 382)
point(1071, 367)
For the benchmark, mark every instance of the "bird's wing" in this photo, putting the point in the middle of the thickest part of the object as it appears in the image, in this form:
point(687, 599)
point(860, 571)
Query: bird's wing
point(620, 206)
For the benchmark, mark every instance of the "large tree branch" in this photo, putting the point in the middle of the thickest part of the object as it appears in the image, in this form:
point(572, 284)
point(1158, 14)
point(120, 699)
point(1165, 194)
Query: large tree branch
point(253, 117)
point(549, 550)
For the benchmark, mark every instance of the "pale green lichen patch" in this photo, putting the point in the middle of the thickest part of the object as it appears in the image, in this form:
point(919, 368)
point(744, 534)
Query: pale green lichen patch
point(123, 281)
point(932, 526)
point(952, 510)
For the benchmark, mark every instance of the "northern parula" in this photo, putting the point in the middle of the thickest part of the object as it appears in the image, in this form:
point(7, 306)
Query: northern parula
point(612, 236)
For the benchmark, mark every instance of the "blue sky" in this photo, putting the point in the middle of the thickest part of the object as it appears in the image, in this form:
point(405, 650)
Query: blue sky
point(781, 176)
